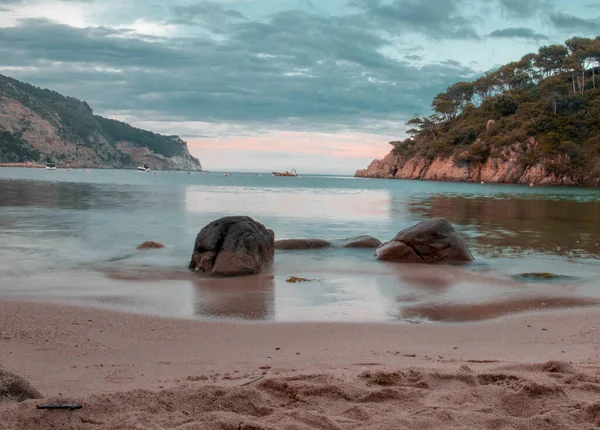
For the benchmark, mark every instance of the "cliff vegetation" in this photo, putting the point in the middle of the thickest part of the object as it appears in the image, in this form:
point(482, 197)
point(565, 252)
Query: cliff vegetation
point(39, 125)
point(536, 120)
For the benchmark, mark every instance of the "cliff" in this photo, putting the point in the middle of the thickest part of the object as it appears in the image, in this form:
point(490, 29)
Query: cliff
point(39, 126)
point(506, 165)
point(533, 121)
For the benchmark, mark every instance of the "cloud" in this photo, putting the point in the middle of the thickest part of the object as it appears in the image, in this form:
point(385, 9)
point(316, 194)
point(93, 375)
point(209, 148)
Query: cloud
point(439, 19)
point(523, 8)
point(567, 22)
point(206, 12)
point(294, 71)
point(517, 33)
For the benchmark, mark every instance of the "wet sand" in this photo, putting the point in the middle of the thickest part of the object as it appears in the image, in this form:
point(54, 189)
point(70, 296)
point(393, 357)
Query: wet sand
point(527, 371)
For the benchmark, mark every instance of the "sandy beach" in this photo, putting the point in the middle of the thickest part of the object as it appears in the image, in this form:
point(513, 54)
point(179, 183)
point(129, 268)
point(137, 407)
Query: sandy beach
point(529, 371)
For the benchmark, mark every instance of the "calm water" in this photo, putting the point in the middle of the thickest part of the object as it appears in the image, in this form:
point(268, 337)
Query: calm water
point(71, 237)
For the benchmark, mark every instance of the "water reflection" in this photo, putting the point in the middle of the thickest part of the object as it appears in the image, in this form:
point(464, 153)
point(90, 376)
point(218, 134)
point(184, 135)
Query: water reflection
point(499, 225)
point(463, 312)
point(248, 298)
point(349, 204)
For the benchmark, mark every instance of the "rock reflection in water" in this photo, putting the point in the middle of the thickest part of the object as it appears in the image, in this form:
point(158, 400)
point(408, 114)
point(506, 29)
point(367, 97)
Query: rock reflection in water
point(248, 298)
point(457, 312)
point(555, 226)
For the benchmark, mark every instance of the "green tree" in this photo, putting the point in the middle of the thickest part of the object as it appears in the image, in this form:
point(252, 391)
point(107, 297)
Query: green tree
point(580, 58)
point(482, 87)
point(425, 126)
point(444, 106)
point(593, 51)
point(550, 59)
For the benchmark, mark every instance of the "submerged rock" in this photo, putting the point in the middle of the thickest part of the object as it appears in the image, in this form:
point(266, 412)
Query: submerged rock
point(296, 279)
point(233, 246)
point(542, 277)
point(14, 388)
point(431, 241)
point(364, 241)
point(150, 245)
point(298, 244)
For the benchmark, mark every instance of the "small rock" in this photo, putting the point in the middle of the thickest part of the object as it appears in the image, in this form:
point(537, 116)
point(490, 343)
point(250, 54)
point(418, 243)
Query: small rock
point(295, 279)
point(14, 388)
point(150, 245)
point(299, 244)
point(364, 241)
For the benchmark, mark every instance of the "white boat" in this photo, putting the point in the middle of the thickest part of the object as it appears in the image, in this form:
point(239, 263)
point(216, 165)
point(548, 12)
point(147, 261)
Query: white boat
point(50, 166)
point(143, 168)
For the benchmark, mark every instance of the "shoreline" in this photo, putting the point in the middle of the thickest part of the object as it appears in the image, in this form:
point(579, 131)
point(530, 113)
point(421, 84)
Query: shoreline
point(26, 165)
point(86, 354)
point(521, 184)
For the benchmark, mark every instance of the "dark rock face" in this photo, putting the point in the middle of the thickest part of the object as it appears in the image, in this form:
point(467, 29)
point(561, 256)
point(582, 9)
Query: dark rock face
point(14, 388)
point(431, 241)
point(233, 246)
point(296, 244)
point(150, 245)
point(364, 241)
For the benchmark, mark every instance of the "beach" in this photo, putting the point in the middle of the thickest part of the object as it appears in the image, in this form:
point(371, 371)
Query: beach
point(140, 342)
point(526, 371)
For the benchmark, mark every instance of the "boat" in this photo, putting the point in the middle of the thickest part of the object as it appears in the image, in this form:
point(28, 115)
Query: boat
point(291, 173)
point(50, 166)
point(143, 168)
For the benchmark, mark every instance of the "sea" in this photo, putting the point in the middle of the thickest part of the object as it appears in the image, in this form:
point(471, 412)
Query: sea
point(70, 236)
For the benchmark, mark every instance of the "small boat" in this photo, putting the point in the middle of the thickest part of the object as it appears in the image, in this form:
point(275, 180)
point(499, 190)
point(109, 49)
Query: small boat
point(291, 173)
point(50, 166)
point(143, 168)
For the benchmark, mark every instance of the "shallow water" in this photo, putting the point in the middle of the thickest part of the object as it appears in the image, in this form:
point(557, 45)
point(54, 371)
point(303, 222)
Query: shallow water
point(71, 236)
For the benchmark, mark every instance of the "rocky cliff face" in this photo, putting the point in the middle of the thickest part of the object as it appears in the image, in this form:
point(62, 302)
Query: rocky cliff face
point(38, 126)
point(516, 164)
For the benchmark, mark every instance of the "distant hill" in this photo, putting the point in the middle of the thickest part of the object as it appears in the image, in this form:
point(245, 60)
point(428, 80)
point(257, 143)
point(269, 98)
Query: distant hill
point(536, 121)
point(40, 126)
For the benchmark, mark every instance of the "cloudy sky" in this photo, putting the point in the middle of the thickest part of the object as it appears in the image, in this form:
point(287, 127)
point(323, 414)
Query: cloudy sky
point(319, 85)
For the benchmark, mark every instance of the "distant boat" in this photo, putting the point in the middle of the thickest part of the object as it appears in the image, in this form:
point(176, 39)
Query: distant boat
point(143, 168)
point(50, 166)
point(292, 173)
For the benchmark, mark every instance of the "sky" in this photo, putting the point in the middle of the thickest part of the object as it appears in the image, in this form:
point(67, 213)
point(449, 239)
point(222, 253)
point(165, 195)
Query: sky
point(260, 85)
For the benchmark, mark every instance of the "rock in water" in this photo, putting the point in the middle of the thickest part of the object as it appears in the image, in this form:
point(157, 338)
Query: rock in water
point(353, 242)
point(233, 246)
point(431, 241)
point(14, 388)
point(150, 245)
point(294, 244)
point(364, 241)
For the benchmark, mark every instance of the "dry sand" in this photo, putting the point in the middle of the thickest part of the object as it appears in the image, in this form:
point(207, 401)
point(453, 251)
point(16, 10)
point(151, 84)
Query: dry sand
point(531, 371)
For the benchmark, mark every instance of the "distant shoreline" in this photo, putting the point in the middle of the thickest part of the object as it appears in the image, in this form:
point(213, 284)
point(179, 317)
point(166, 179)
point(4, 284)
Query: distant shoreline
point(30, 165)
point(27, 165)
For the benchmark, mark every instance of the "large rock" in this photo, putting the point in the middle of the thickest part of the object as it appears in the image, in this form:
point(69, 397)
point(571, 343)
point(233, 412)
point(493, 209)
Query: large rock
point(14, 388)
point(431, 241)
point(233, 246)
point(294, 244)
